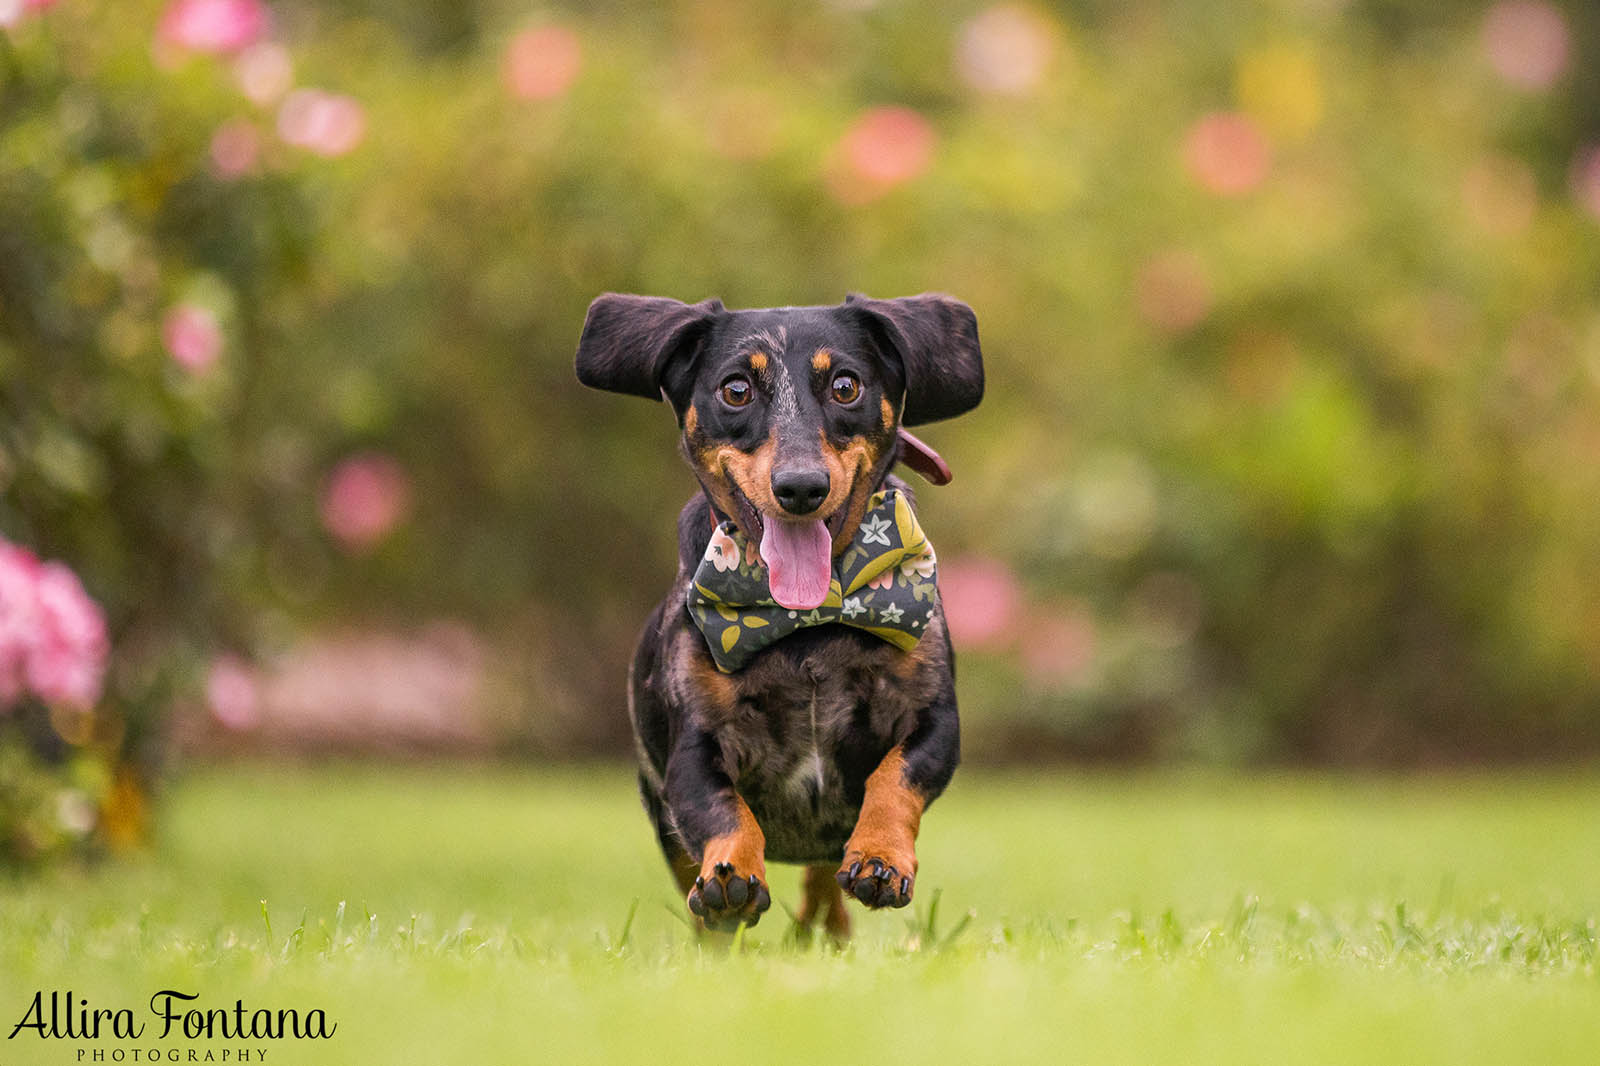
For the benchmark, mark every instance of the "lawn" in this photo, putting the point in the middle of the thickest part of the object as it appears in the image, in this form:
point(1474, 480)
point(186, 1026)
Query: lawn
point(465, 914)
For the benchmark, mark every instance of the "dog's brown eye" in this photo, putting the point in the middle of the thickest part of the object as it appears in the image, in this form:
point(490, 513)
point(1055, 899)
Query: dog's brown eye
point(846, 388)
point(736, 392)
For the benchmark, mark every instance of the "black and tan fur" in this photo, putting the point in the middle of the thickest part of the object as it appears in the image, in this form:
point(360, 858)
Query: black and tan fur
point(826, 748)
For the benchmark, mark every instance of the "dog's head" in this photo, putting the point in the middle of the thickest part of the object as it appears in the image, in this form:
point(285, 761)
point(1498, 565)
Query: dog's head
point(790, 415)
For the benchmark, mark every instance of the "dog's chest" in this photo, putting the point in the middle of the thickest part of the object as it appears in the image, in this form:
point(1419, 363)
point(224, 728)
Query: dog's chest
point(813, 722)
point(799, 791)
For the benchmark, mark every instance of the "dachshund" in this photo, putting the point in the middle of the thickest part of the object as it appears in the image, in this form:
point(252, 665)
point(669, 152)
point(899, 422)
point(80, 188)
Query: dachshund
point(793, 697)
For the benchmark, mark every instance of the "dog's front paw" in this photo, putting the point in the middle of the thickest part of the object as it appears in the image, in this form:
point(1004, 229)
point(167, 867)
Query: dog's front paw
point(724, 898)
point(877, 880)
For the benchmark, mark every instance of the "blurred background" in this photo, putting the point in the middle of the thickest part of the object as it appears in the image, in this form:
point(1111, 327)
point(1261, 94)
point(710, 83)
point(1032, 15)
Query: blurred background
point(1291, 311)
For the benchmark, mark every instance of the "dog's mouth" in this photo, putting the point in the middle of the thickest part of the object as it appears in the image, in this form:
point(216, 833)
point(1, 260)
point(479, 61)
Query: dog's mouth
point(798, 552)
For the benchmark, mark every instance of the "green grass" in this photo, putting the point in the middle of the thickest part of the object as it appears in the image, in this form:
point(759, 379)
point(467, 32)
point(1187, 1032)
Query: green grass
point(472, 915)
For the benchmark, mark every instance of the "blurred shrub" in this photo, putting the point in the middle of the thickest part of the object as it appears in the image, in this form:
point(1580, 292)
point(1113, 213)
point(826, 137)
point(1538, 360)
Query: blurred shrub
point(1289, 312)
point(141, 297)
point(52, 666)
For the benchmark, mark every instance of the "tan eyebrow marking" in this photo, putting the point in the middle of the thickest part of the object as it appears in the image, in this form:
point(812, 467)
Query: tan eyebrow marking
point(758, 362)
point(822, 361)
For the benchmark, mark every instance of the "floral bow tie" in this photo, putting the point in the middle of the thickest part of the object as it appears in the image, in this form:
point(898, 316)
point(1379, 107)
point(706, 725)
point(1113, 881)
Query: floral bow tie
point(885, 582)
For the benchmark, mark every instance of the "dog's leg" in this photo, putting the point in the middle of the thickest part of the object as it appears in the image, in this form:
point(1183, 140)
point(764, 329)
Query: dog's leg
point(716, 826)
point(880, 858)
point(820, 894)
point(683, 868)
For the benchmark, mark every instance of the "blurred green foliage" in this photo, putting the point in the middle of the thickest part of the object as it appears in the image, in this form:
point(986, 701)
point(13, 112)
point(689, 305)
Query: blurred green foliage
point(1291, 422)
point(143, 477)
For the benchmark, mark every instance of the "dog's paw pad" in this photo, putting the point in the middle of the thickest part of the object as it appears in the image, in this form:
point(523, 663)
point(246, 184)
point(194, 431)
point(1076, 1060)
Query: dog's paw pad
point(876, 883)
point(725, 899)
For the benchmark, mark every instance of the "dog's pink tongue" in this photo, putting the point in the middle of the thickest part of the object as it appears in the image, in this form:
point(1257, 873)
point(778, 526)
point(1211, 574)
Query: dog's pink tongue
point(799, 558)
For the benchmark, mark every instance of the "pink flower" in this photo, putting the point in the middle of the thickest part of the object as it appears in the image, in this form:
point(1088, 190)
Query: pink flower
point(212, 25)
point(235, 149)
point(52, 635)
point(19, 618)
point(232, 692)
point(1226, 153)
point(885, 147)
point(884, 580)
point(542, 63)
point(1004, 50)
point(12, 11)
point(68, 662)
point(366, 496)
point(722, 551)
point(981, 600)
point(264, 72)
point(1527, 43)
point(325, 123)
point(192, 337)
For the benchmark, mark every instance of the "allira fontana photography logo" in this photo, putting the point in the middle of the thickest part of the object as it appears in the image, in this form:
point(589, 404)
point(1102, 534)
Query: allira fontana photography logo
point(231, 1033)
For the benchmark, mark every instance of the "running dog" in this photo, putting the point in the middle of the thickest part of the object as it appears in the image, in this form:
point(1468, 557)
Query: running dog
point(793, 697)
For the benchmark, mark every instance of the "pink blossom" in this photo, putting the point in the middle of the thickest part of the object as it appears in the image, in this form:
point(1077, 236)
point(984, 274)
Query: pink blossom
point(1004, 50)
point(1173, 291)
point(19, 618)
point(233, 693)
point(1586, 179)
point(215, 26)
point(264, 71)
point(68, 661)
point(52, 635)
point(1226, 153)
point(981, 600)
point(192, 337)
point(12, 11)
point(366, 496)
point(542, 63)
point(1527, 43)
point(885, 147)
point(235, 149)
point(322, 122)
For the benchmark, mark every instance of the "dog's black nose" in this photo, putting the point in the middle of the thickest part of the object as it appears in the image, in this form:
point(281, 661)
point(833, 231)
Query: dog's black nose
point(800, 491)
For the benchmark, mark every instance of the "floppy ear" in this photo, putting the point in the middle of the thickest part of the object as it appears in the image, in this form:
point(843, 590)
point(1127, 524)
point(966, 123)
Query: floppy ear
point(935, 337)
point(628, 341)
